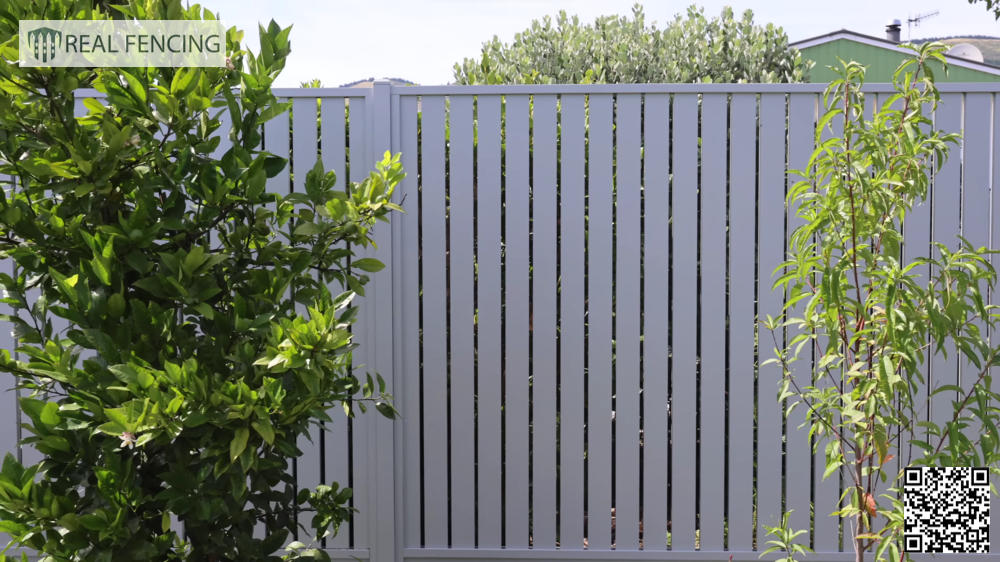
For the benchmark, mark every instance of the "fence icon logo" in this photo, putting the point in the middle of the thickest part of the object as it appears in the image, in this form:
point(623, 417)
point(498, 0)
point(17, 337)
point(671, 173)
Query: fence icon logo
point(43, 43)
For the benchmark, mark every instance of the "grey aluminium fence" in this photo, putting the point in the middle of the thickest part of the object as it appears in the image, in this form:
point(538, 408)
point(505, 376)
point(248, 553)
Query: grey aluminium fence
point(568, 317)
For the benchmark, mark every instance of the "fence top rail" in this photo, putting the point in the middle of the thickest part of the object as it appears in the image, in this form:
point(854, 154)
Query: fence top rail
point(550, 89)
point(321, 92)
point(525, 89)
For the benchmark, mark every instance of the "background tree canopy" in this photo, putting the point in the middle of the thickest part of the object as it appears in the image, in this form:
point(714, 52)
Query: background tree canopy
point(991, 5)
point(691, 48)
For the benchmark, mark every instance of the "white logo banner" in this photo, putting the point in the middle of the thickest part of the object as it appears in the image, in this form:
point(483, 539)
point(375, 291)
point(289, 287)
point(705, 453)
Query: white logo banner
point(121, 43)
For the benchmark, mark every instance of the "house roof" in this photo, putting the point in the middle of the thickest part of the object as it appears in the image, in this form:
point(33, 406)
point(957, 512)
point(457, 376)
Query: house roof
point(890, 45)
point(367, 83)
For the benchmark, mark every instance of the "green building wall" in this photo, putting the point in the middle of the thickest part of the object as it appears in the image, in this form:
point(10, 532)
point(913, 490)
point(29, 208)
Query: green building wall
point(881, 63)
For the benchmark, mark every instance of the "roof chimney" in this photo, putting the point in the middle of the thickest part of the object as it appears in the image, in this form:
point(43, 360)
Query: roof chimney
point(892, 30)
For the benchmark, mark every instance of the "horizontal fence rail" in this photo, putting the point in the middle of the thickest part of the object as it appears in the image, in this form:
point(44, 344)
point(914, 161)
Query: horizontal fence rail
point(568, 319)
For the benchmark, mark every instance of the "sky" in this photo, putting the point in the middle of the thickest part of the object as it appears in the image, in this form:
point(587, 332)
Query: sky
point(340, 41)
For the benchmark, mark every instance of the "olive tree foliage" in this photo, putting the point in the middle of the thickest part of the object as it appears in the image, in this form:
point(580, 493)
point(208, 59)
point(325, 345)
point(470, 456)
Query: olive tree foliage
point(179, 327)
point(874, 320)
point(622, 49)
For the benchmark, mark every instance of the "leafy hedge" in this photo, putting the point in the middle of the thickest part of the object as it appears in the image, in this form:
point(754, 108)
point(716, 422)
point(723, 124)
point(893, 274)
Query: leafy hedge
point(622, 50)
point(176, 329)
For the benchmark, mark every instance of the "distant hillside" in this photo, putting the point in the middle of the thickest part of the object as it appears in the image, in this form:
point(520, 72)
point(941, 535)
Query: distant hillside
point(990, 46)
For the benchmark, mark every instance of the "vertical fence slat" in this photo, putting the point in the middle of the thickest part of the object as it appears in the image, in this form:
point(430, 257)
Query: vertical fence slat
point(771, 226)
point(599, 239)
point(518, 322)
point(435, 324)
point(894, 465)
point(8, 396)
point(488, 252)
point(225, 124)
point(333, 138)
point(743, 131)
point(463, 382)
point(571, 322)
point(543, 321)
point(304, 151)
point(276, 142)
point(916, 244)
point(360, 163)
point(383, 543)
point(627, 276)
point(655, 360)
point(684, 271)
point(338, 467)
point(801, 131)
point(713, 319)
point(304, 140)
point(995, 242)
point(826, 490)
point(976, 185)
point(336, 435)
point(945, 209)
point(975, 159)
point(8, 382)
point(358, 155)
point(29, 454)
point(409, 308)
point(79, 110)
point(627, 321)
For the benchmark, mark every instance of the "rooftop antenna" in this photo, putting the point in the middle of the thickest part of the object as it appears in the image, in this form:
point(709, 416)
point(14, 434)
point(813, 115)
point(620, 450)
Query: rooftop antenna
point(914, 21)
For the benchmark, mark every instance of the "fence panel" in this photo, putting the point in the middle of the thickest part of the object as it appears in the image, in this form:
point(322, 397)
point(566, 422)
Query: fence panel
point(575, 294)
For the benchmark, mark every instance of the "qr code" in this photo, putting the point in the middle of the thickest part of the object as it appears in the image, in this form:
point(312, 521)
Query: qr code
point(946, 509)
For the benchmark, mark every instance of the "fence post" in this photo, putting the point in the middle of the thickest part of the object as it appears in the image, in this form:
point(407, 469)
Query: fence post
point(382, 541)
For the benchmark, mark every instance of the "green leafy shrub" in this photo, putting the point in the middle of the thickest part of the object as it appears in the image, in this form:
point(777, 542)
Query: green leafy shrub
point(874, 320)
point(176, 332)
point(623, 50)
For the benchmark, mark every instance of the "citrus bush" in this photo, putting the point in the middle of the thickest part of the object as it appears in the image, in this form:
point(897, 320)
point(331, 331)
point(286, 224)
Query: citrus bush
point(176, 329)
